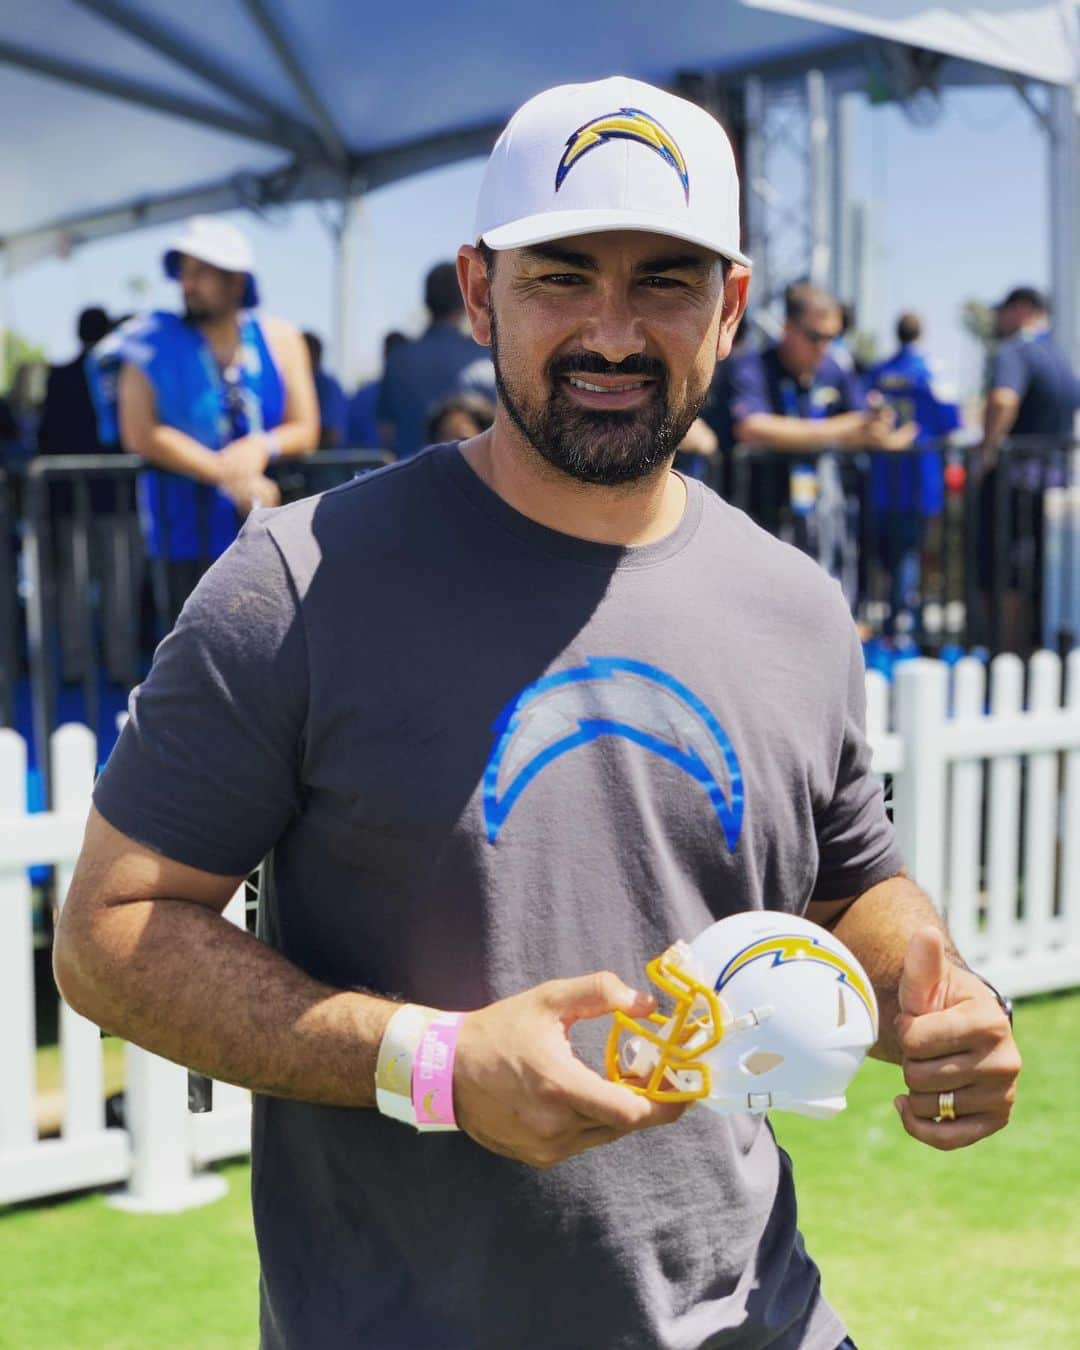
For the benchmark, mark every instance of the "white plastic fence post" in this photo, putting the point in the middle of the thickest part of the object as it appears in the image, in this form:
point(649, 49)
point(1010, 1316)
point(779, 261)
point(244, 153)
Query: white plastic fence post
point(919, 788)
point(161, 1181)
point(965, 817)
point(17, 1041)
point(227, 1096)
point(1070, 820)
point(877, 704)
point(156, 1099)
point(1040, 812)
point(74, 749)
point(1003, 844)
point(1055, 515)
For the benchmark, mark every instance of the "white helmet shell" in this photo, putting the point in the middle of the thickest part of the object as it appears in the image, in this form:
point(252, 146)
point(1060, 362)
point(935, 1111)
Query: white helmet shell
point(799, 1014)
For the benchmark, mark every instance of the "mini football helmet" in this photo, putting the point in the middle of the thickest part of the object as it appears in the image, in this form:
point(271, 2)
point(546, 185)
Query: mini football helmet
point(772, 1012)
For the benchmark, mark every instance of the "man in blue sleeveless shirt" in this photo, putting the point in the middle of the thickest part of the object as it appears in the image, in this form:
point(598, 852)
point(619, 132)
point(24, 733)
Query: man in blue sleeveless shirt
point(212, 397)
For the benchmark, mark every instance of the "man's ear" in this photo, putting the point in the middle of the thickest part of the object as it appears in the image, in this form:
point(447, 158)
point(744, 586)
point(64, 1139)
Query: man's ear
point(736, 290)
point(476, 292)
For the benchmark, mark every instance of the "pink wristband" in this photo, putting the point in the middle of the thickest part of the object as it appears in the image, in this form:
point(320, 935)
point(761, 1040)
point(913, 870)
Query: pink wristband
point(433, 1073)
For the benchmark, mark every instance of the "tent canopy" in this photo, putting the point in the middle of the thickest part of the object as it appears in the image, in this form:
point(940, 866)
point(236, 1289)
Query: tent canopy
point(128, 112)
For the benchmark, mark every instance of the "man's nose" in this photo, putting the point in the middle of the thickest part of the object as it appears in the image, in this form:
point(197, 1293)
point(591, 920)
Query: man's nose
point(613, 329)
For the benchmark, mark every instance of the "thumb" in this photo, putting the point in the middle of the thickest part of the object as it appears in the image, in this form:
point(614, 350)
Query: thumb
point(594, 995)
point(922, 983)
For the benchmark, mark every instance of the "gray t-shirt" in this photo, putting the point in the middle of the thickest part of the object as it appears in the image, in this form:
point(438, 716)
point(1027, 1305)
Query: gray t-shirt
point(481, 754)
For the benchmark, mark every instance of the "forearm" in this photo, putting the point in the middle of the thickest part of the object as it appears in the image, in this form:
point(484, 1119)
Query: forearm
point(295, 438)
point(796, 434)
point(167, 448)
point(878, 927)
point(178, 979)
point(1002, 406)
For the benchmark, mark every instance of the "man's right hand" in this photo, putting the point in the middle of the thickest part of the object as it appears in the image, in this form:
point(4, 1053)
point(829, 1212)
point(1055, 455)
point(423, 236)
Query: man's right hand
point(881, 437)
point(519, 1089)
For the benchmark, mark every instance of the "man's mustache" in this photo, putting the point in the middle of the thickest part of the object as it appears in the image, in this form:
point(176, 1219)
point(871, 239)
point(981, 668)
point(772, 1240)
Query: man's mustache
point(592, 363)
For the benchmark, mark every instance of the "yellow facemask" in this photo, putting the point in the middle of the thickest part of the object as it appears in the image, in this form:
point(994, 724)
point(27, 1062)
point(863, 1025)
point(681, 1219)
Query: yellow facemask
point(676, 1072)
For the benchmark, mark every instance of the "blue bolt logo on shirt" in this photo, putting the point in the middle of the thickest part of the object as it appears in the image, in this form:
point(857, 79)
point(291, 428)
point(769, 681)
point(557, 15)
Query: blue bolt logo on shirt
point(611, 696)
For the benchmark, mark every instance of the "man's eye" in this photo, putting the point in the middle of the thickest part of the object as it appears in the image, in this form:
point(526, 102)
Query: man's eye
point(563, 278)
point(663, 283)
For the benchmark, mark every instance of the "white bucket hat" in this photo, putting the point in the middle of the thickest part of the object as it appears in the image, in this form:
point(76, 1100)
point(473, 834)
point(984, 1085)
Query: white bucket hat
point(613, 155)
point(220, 244)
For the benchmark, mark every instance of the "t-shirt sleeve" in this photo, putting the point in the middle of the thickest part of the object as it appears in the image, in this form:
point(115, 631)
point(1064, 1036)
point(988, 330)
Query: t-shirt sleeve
point(856, 844)
point(207, 768)
point(1009, 370)
point(749, 393)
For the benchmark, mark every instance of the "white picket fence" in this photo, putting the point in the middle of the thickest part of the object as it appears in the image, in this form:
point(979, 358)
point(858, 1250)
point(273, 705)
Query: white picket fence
point(987, 808)
point(159, 1153)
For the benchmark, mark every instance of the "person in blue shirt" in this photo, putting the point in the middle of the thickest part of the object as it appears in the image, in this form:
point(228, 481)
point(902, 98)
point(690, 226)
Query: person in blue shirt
point(1032, 397)
point(210, 398)
point(795, 399)
point(420, 374)
point(333, 406)
point(362, 427)
point(908, 491)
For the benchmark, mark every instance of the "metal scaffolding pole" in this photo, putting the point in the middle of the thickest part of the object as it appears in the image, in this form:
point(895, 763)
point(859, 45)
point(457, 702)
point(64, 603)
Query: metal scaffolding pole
point(756, 189)
point(819, 183)
point(841, 121)
point(796, 180)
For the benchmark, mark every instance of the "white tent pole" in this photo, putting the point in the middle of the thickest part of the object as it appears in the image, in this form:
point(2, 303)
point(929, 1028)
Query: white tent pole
point(1064, 146)
point(346, 235)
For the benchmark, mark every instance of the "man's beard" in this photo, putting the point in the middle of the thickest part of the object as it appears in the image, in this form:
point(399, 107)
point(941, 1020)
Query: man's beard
point(591, 445)
point(202, 313)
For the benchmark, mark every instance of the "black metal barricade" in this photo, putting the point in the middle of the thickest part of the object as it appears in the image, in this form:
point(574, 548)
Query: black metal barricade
point(85, 569)
point(998, 567)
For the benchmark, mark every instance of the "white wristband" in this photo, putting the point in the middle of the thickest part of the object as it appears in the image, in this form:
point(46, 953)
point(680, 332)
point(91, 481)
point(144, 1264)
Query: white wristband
point(394, 1067)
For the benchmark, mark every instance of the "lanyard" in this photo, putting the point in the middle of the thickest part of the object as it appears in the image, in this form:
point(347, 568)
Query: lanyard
point(789, 396)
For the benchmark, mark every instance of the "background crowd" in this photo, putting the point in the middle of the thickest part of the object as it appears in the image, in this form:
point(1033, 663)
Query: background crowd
point(934, 528)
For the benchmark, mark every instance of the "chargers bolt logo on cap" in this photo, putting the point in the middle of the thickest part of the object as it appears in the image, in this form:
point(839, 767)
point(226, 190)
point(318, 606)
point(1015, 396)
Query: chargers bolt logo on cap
point(628, 124)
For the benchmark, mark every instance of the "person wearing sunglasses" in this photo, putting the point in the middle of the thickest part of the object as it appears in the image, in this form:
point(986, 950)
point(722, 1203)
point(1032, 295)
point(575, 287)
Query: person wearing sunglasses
point(795, 400)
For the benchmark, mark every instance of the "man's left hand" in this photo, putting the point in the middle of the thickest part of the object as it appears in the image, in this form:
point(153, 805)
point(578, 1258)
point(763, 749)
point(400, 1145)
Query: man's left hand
point(954, 1038)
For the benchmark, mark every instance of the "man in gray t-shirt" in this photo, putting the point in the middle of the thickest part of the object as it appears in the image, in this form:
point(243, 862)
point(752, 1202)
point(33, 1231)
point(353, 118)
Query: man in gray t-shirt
point(505, 721)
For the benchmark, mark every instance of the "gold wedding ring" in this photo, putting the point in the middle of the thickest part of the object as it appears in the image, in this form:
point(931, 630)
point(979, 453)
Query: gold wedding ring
point(946, 1106)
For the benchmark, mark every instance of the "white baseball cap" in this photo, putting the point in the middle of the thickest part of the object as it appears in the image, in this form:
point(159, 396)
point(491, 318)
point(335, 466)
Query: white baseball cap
point(221, 245)
point(613, 155)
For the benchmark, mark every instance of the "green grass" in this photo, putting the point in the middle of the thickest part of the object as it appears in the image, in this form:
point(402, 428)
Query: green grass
point(962, 1251)
point(78, 1275)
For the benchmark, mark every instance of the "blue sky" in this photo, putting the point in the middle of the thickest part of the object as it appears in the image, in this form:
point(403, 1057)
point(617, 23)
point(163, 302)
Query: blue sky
point(961, 212)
